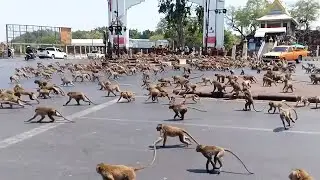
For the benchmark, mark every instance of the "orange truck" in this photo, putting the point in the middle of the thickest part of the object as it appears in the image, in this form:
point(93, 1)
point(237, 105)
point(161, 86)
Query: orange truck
point(289, 53)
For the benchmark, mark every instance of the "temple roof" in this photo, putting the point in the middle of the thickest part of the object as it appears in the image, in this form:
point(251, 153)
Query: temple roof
point(277, 11)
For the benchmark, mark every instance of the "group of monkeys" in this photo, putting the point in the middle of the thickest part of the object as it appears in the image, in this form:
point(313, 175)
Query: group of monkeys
point(213, 154)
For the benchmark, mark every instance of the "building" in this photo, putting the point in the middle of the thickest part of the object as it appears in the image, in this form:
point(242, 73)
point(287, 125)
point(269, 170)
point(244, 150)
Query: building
point(84, 46)
point(278, 21)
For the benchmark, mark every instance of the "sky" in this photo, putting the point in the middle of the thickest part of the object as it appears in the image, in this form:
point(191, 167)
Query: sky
point(80, 15)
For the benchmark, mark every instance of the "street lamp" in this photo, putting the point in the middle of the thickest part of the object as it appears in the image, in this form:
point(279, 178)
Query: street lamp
point(117, 28)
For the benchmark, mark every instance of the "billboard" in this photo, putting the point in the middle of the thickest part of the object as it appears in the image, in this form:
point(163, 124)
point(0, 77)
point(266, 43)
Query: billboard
point(34, 34)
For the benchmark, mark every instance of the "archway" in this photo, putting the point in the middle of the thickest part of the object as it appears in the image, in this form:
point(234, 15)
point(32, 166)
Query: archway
point(213, 34)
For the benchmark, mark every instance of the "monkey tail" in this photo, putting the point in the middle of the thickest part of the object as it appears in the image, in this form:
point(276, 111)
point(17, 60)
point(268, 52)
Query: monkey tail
point(89, 100)
point(154, 156)
point(197, 109)
point(191, 137)
point(197, 77)
point(19, 102)
point(227, 150)
point(61, 90)
point(257, 110)
point(59, 114)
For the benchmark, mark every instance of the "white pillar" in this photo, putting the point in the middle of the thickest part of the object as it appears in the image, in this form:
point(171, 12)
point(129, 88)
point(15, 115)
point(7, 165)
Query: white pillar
point(85, 49)
point(80, 50)
point(318, 49)
point(245, 50)
point(200, 51)
point(209, 5)
point(66, 49)
point(233, 53)
point(130, 53)
point(220, 24)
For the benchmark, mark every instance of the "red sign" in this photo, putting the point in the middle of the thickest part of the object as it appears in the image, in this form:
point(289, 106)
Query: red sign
point(211, 40)
point(121, 40)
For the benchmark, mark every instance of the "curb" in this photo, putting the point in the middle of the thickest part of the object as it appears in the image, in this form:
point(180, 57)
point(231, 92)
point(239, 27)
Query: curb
point(218, 95)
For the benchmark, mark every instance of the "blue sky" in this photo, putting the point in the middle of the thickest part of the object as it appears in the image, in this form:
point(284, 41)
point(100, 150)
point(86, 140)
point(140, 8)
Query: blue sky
point(79, 14)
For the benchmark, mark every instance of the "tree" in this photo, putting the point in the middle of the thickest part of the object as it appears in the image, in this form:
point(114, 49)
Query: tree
point(244, 19)
point(146, 34)
point(306, 11)
point(134, 34)
point(176, 14)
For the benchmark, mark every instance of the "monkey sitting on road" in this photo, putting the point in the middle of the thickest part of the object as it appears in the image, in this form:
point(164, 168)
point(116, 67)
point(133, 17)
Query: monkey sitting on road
point(299, 174)
point(285, 115)
point(216, 153)
point(171, 131)
point(128, 95)
point(78, 96)
point(122, 172)
point(50, 112)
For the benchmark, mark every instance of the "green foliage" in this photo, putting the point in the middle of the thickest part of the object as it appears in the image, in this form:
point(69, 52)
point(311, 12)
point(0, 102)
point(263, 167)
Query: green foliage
point(40, 36)
point(176, 14)
point(306, 10)
point(244, 19)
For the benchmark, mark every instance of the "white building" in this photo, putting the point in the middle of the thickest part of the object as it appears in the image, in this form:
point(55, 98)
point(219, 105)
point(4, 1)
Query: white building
point(83, 46)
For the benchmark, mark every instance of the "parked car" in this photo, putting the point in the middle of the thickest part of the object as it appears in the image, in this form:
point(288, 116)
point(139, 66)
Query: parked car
point(51, 52)
point(285, 52)
point(95, 55)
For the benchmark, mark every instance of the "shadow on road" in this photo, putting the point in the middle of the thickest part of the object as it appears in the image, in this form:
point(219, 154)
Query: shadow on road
point(278, 129)
point(171, 146)
point(203, 171)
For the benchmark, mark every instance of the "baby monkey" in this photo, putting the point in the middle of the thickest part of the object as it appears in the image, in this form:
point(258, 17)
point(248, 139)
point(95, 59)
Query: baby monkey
point(180, 109)
point(49, 111)
point(195, 98)
point(299, 174)
point(78, 96)
point(171, 131)
point(216, 153)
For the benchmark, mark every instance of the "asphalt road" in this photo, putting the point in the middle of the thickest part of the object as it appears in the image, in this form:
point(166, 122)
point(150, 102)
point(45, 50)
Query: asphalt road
point(120, 133)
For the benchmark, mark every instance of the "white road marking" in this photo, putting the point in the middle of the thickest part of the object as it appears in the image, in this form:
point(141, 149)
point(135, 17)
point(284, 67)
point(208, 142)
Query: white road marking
point(202, 125)
point(36, 131)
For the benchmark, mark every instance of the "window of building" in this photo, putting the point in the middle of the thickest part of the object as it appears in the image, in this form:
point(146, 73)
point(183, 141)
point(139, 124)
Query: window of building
point(262, 25)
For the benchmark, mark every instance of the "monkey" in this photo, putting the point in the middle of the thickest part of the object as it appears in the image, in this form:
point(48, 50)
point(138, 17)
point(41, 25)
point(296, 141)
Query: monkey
point(195, 98)
point(112, 88)
point(180, 109)
point(268, 81)
point(316, 99)
point(250, 78)
point(103, 84)
point(14, 78)
point(49, 111)
point(181, 81)
point(66, 82)
point(220, 77)
point(8, 97)
point(302, 99)
point(285, 115)
point(249, 101)
point(172, 131)
point(274, 105)
point(231, 72)
point(122, 172)
point(242, 72)
point(287, 85)
point(81, 75)
point(187, 69)
point(246, 84)
point(217, 85)
point(166, 81)
point(40, 83)
point(206, 81)
point(44, 93)
point(216, 153)
point(19, 91)
point(78, 96)
point(190, 87)
point(258, 70)
point(299, 174)
point(154, 93)
point(128, 95)
point(186, 76)
point(56, 89)
point(145, 76)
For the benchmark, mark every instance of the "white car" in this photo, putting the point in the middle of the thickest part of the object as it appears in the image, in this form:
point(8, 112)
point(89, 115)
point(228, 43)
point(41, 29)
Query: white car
point(51, 52)
point(95, 55)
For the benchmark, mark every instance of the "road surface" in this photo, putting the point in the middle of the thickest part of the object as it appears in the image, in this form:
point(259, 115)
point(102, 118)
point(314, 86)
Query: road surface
point(121, 133)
